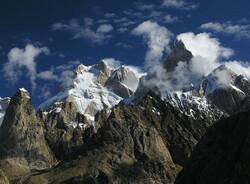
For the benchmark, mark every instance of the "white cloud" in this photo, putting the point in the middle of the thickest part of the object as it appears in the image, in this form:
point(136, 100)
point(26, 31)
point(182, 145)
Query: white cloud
point(62, 74)
point(123, 19)
point(128, 23)
point(105, 28)
point(239, 67)
point(141, 6)
point(207, 54)
point(179, 4)
point(19, 59)
point(207, 51)
point(58, 26)
point(47, 75)
point(109, 15)
point(70, 65)
point(123, 24)
point(228, 28)
point(122, 29)
point(170, 19)
point(204, 45)
point(85, 31)
point(157, 38)
point(144, 7)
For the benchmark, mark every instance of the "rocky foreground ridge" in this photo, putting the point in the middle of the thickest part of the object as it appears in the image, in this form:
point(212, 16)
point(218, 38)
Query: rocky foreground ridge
point(142, 142)
point(222, 155)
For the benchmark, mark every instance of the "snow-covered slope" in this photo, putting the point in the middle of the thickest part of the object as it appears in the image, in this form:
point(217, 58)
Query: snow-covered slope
point(4, 102)
point(90, 91)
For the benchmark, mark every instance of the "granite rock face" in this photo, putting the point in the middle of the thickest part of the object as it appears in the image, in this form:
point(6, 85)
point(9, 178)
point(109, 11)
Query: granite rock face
point(64, 128)
point(145, 141)
point(22, 142)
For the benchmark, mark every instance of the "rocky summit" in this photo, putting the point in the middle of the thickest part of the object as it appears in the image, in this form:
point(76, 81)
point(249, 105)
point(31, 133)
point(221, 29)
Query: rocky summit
point(22, 142)
point(116, 124)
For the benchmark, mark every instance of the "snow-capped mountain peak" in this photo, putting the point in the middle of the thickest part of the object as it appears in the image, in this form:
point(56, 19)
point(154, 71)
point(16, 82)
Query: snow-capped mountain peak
point(86, 93)
point(96, 87)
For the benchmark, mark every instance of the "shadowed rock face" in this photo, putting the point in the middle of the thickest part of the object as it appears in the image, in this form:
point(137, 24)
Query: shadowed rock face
point(227, 99)
point(222, 155)
point(178, 54)
point(22, 142)
point(243, 84)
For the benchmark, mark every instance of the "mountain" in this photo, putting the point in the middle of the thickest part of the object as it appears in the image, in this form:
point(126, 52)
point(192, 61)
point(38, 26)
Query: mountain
point(138, 141)
point(123, 81)
point(222, 89)
point(100, 87)
point(226, 90)
point(222, 155)
point(4, 102)
point(95, 88)
point(178, 54)
point(116, 124)
point(146, 137)
point(22, 143)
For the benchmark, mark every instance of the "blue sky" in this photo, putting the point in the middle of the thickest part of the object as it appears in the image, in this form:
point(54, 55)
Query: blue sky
point(57, 35)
